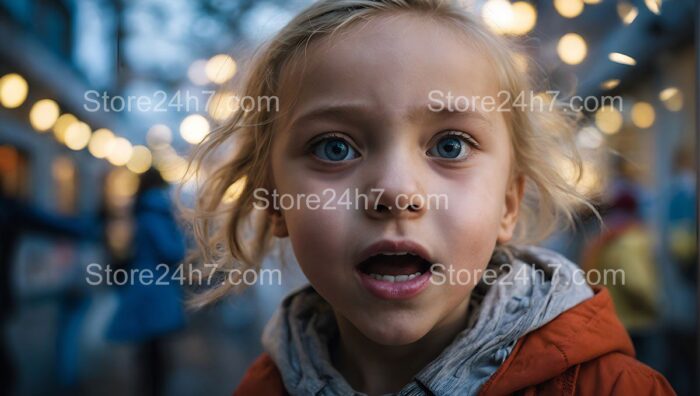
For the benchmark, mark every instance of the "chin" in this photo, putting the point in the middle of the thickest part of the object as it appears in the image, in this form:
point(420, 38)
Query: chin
point(399, 332)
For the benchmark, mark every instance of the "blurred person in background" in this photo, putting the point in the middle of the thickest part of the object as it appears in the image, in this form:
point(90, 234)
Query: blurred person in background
point(17, 218)
point(149, 311)
point(682, 216)
point(623, 257)
point(682, 253)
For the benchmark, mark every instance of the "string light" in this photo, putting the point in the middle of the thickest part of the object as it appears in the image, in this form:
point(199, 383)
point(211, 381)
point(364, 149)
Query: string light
point(174, 170)
point(220, 68)
point(572, 48)
point(223, 105)
point(569, 8)
point(122, 183)
point(233, 192)
point(159, 135)
point(62, 124)
point(140, 159)
point(610, 84)
point(627, 12)
point(194, 128)
point(654, 6)
point(498, 15)
point(120, 153)
point(524, 18)
point(608, 120)
point(101, 143)
point(622, 59)
point(77, 135)
point(43, 115)
point(13, 90)
point(672, 98)
point(643, 115)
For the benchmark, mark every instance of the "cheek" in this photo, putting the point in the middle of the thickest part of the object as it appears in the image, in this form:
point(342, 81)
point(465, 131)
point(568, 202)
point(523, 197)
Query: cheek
point(472, 212)
point(317, 234)
point(470, 225)
point(320, 237)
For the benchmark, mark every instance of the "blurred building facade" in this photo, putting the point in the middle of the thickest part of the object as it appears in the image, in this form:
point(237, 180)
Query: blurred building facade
point(45, 166)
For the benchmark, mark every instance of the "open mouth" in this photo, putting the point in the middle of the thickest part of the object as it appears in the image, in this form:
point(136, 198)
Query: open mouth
point(394, 267)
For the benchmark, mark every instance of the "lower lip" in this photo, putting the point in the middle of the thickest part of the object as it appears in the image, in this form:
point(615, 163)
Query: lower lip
point(395, 290)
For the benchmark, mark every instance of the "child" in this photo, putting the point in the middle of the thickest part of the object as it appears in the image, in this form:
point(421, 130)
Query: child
point(403, 210)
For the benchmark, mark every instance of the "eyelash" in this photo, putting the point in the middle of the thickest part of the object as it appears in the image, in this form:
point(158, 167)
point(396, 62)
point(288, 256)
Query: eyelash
point(468, 144)
point(462, 135)
point(327, 136)
point(465, 137)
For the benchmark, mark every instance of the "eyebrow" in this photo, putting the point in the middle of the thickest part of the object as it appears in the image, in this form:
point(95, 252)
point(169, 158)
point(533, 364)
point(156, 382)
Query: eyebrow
point(425, 111)
point(337, 111)
point(350, 111)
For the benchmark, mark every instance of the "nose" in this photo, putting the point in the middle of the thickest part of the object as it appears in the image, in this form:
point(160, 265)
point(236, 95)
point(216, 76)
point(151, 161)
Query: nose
point(396, 192)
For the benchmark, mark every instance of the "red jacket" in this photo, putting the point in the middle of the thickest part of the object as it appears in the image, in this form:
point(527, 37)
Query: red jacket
point(583, 351)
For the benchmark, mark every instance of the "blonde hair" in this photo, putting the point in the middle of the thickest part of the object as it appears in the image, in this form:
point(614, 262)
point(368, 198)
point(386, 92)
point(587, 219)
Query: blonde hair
point(234, 234)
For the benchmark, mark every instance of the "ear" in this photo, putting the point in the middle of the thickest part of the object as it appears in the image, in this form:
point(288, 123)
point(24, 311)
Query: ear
point(511, 208)
point(279, 226)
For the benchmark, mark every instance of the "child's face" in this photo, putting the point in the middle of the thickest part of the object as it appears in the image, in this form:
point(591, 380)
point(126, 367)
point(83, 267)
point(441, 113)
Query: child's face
point(369, 88)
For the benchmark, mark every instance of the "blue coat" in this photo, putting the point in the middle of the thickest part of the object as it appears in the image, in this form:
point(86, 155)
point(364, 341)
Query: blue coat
point(146, 309)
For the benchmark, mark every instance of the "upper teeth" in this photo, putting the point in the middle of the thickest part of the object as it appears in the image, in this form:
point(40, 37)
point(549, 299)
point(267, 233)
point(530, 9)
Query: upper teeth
point(396, 253)
point(394, 278)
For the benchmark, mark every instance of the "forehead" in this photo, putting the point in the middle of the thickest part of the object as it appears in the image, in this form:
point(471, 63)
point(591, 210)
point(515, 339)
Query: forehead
point(390, 63)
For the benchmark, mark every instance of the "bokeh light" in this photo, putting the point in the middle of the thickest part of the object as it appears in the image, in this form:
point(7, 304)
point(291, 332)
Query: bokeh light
point(120, 152)
point(608, 120)
point(159, 135)
point(62, 124)
point(498, 15)
point(44, 114)
point(524, 18)
point(627, 12)
point(220, 68)
point(194, 128)
point(569, 8)
point(654, 6)
point(572, 48)
point(174, 169)
point(223, 106)
point(77, 135)
point(197, 72)
point(643, 115)
point(140, 160)
point(622, 59)
point(610, 84)
point(233, 192)
point(13, 90)
point(101, 143)
point(672, 98)
point(122, 183)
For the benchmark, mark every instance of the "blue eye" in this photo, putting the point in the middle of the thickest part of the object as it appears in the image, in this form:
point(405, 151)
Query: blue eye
point(334, 149)
point(450, 147)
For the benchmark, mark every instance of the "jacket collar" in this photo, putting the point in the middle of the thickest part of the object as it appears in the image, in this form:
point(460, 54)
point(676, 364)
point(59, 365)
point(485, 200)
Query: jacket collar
point(582, 333)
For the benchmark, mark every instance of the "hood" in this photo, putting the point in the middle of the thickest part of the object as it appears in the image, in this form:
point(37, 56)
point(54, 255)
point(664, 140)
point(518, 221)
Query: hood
point(534, 286)
point(154, 200)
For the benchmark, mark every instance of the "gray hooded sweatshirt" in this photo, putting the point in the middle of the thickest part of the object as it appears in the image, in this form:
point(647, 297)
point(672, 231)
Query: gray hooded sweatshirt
point(534, 286)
